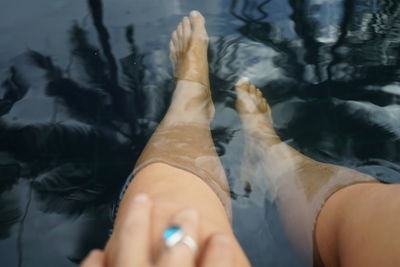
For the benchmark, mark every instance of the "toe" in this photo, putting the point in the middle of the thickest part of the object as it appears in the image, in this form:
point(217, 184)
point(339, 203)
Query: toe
point(265, 106)
point(252, 89)
point(175, 40)
point(179, 33)
point(198, 22)
point(187, 28)
point(172, 48)
point(264, 103)
point(172, 52)
point(242, 85)
point(179, 29)
point(259, 93)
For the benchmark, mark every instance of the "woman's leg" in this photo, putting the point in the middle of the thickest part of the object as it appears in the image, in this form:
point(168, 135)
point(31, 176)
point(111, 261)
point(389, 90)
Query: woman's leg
point(359, 227)
point(299, 184)
point(179, 167)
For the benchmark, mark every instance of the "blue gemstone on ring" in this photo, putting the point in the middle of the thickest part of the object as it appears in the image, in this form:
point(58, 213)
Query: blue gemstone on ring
point(171, 231)
point(173, 235)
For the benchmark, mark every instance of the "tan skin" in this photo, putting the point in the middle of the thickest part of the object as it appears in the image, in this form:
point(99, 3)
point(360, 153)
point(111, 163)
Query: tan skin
point(172, 189)
point(193, 193)
point(132, 236)
point(357, 226)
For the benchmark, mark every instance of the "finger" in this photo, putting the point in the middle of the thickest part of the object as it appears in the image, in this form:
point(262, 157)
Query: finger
point(219, 252)
point(96, 258)
point(181, 254)
point(133, 235)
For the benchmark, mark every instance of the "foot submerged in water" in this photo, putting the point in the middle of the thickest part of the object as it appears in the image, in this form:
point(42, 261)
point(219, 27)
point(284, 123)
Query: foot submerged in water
point(188, 49)
point(300, 184)
point(188, 55)
point(183, 138)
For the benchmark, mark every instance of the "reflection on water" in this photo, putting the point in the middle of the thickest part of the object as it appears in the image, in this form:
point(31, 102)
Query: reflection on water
point(84, 84)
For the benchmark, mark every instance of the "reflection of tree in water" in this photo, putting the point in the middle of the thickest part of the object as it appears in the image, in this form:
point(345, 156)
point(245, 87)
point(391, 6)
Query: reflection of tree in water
point(335, 98)
point(9, 210)
point(342, 93)
point(78, 166)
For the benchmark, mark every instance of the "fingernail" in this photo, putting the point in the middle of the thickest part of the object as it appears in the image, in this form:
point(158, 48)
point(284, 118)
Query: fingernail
point(141, 198)
point(194, 13)
point(242, 80)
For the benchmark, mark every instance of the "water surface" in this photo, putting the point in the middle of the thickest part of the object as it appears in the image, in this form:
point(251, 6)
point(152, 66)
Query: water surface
point(85, 83)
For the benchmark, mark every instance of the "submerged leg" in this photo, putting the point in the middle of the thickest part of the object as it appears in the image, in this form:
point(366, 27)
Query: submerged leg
point(183, 138)
point(179, 165)
point(300, 184)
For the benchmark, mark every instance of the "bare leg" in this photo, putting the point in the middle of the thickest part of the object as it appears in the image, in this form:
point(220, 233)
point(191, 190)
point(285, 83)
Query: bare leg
point(179, 167)
point(183, 139)
point(300, 184)
point(359, 227)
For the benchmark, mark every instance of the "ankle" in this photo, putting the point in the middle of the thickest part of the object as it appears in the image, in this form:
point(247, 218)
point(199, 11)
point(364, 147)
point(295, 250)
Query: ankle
point(191, 103)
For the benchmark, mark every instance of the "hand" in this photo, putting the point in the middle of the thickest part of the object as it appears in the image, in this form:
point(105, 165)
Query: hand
point(132, 243)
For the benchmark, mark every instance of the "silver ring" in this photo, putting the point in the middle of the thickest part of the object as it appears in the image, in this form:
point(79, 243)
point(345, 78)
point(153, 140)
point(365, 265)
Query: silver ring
point(174, 235)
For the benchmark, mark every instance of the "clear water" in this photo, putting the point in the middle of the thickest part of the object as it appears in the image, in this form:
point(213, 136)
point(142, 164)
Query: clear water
point(84, 84)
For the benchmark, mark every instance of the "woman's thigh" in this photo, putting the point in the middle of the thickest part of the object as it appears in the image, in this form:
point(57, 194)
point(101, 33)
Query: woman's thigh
point(172, 189)
point(359, 227)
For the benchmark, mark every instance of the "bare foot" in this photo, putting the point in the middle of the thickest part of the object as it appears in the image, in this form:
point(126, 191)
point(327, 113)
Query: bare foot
point(256, 117)
point(188, 54)
point(183, 139)
point(254, 110)
point(188, 50)
point(250, 99)
point(300, 184)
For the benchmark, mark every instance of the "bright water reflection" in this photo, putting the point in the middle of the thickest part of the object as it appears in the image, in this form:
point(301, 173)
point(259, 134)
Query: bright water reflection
point(84, 84)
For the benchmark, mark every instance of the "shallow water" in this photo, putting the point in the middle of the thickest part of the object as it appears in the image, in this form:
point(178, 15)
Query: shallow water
point(85, 83)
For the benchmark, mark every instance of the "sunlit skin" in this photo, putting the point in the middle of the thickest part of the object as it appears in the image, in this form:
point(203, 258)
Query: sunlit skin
point(358, 222)
point(131, 241)
point(357, 225)
point(173, 189)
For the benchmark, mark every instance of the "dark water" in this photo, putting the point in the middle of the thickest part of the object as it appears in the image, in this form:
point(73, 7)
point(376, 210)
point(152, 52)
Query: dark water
point(84, 84)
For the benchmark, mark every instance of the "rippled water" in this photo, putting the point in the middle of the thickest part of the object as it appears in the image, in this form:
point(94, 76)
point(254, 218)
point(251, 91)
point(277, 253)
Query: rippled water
point(85, 83)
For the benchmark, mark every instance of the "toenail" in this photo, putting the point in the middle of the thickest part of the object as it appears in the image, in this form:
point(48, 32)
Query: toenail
point(242, 81)
point(194, 13)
